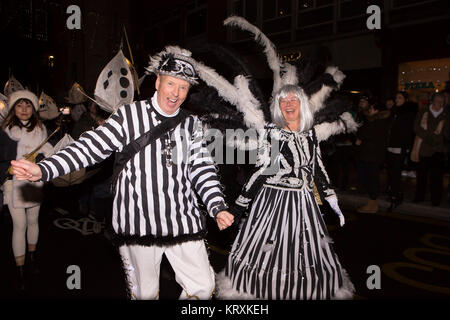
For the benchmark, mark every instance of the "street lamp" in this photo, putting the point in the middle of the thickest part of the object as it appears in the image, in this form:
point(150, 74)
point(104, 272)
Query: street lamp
point(51, 61)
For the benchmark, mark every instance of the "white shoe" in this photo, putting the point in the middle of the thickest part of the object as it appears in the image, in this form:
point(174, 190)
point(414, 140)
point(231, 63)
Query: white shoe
point(412, 174)
point(61, 211)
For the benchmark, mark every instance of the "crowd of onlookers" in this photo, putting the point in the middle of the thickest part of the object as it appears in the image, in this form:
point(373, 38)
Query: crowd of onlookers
point(399, 138)
point(396, 137)
point(28, 132)
point(92, 196)
point(88, 191)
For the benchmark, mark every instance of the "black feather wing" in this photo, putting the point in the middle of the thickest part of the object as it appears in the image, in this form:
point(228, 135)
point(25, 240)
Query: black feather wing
point(206, 102)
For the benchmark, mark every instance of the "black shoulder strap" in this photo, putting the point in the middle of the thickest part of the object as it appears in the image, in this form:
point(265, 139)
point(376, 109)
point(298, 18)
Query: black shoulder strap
point(152, 135)
point(139, 144)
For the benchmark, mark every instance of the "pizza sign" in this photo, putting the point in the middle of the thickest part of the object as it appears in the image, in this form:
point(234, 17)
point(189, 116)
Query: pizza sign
point(419, 85)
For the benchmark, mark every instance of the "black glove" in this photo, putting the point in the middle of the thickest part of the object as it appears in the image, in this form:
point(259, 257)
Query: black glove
point(238, 212)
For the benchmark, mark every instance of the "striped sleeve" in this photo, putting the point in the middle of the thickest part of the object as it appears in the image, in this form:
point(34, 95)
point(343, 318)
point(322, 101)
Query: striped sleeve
point(261, 171)
point(92, 147)
point(203, 173)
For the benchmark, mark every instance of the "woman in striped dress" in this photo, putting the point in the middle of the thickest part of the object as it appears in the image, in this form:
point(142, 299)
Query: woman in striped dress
point(283, 250)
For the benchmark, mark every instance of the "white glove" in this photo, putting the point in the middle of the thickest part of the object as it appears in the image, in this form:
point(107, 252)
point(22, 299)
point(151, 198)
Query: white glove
point(334, 204)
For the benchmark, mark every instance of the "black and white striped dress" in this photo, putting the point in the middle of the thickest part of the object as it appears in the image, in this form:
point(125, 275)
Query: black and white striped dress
point(155, 200)
point(283, 250)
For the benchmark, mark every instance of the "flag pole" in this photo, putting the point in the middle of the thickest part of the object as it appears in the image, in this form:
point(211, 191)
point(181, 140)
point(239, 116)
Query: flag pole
point(132, 62)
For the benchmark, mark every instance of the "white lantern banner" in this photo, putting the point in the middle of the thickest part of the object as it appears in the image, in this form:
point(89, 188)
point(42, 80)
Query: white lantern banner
point(115, 85)
point(48, 110)
point(12, 85)
point(72, 178)
point(3, 107)
point(76, 94)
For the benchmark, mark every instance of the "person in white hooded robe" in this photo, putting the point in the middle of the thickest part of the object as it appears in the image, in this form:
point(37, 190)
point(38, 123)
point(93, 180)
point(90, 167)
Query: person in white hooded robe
point(23, 132)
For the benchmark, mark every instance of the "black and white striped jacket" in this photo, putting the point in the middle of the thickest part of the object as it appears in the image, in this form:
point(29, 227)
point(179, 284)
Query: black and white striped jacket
point(153, 203)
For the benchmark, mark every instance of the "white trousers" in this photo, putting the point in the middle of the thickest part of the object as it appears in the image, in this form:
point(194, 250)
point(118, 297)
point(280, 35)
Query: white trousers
point(24, 221)
point(189, 260)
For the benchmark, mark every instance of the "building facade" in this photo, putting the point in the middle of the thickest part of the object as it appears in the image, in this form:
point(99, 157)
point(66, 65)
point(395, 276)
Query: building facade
point(46, 55)
point(410, 30)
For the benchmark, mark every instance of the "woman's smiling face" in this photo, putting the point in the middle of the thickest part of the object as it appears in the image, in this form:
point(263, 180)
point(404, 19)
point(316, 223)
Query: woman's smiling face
point(23, 110)
point(290, 108)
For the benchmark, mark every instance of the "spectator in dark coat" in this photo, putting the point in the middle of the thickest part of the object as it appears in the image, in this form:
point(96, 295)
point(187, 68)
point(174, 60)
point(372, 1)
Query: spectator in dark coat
point(389, 103)
point(432, 128)
point(89, 120)
point(401, 137)
point(94, 196)
point(371, 145)
point(8, 151)
point(446, 93)
point(363, 107)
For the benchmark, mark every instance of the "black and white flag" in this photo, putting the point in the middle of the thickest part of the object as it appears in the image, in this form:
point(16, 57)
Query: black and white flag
point(115, 84)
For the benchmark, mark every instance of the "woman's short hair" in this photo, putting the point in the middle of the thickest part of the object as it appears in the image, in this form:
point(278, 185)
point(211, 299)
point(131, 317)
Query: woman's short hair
point(306, 115)
point(404, 94)
point(436, 95)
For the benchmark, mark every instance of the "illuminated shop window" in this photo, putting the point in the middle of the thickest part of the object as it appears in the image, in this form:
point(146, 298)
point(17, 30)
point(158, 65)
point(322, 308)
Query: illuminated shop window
point(422, 78)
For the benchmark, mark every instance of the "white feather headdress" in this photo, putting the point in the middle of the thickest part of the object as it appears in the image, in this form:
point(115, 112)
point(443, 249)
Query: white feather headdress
point(174, 61)
point(285, 73)
point(238, 94)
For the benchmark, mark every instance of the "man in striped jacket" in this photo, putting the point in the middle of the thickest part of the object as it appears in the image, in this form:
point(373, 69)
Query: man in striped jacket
point(155, 208)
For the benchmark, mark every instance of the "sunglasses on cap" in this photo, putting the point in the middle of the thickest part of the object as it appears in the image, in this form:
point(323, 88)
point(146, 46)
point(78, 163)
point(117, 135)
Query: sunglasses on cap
point(179, 68)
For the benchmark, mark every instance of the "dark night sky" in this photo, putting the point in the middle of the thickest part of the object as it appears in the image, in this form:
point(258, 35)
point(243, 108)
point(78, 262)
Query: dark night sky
point(80, 55)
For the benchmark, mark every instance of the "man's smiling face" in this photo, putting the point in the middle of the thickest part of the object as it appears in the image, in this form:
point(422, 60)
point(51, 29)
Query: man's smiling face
point(171, 92)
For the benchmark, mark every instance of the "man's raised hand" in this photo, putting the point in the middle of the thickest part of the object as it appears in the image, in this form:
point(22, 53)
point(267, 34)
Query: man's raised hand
point(26, 170)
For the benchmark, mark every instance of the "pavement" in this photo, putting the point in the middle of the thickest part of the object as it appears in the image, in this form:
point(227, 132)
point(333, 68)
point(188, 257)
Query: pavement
point(409, 246)
point(352, 199)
